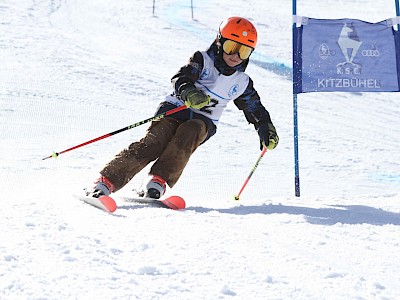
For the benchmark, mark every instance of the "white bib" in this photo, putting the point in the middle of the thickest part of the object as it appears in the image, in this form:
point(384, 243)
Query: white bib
point(219, 87)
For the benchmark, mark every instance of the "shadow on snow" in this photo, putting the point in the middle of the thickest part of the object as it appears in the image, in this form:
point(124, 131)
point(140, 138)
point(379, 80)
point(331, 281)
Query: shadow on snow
point(345, 214)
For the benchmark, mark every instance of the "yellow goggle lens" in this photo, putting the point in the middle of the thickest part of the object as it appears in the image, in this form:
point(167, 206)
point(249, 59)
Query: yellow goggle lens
point(232, 47)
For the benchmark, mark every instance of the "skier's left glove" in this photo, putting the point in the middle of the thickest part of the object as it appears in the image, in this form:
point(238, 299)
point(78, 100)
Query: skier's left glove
point(268, 136)
point(195, 98)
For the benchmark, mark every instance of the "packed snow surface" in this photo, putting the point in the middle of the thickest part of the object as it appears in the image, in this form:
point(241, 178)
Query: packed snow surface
point(75, 70)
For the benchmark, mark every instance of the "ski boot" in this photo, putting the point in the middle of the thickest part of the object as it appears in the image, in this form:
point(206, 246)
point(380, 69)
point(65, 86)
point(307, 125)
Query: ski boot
point(155, 187)
point(103, 187)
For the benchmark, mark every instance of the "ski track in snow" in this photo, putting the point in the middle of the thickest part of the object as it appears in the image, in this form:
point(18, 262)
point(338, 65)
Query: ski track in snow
point(75, 70)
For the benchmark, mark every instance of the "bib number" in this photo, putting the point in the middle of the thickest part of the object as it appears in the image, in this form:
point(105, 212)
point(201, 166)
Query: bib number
point(209, 108)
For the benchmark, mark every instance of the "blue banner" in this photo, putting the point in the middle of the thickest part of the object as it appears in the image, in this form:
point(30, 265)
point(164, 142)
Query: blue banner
point(346, 55)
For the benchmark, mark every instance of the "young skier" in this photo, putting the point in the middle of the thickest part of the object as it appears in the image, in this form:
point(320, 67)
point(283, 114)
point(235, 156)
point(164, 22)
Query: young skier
point(205, 85)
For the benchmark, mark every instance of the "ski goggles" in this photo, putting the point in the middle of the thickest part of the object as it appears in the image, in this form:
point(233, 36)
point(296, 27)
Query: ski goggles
point(231, 47)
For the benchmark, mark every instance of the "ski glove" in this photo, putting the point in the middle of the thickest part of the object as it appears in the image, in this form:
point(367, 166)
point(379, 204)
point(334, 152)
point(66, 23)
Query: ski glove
point(268, 136)
point(195, 98)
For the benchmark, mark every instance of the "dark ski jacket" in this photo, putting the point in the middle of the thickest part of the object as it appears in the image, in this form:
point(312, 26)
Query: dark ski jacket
point(249, 102)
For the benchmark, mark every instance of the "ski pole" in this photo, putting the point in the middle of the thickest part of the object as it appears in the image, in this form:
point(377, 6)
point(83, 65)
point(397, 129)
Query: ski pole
point(155, 118)
point(236, 197)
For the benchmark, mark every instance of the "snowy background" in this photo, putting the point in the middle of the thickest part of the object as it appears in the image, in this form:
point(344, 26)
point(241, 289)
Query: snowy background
point(75, 70)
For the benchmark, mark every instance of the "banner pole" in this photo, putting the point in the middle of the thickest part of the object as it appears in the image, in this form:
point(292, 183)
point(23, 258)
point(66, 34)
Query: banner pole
point(397, 12)
point(295, 121)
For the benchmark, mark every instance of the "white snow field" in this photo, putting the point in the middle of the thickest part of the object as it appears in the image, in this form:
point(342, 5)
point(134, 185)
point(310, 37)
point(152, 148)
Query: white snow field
point(75, 70)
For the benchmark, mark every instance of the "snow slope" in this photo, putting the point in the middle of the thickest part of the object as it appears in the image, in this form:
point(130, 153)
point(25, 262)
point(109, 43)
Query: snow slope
point(75, 70)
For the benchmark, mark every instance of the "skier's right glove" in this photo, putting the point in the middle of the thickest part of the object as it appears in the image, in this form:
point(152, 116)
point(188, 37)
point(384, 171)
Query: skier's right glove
point(195, 98)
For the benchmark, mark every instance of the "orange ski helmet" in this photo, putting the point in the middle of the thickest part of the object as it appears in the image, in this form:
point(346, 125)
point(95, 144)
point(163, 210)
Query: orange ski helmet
point(239, 30)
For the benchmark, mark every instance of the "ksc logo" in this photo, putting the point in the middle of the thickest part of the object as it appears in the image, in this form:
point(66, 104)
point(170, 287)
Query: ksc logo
point(233, 90)
point(324, 51)
point(205, 74)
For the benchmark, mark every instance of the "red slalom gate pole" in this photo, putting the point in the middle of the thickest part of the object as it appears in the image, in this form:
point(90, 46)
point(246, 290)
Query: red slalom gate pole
point(155, 118)
point(237, 197)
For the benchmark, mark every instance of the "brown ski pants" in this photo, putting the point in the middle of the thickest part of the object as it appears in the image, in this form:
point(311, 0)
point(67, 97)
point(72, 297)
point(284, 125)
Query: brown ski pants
point(169, 141)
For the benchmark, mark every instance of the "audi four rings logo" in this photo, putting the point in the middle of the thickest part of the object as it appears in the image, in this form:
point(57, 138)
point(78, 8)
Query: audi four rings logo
point(371, 52)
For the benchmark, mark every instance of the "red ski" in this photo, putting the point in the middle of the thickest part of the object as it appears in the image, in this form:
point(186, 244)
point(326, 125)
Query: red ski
point(108, 204)
point(172, 202)
point(105, 203)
